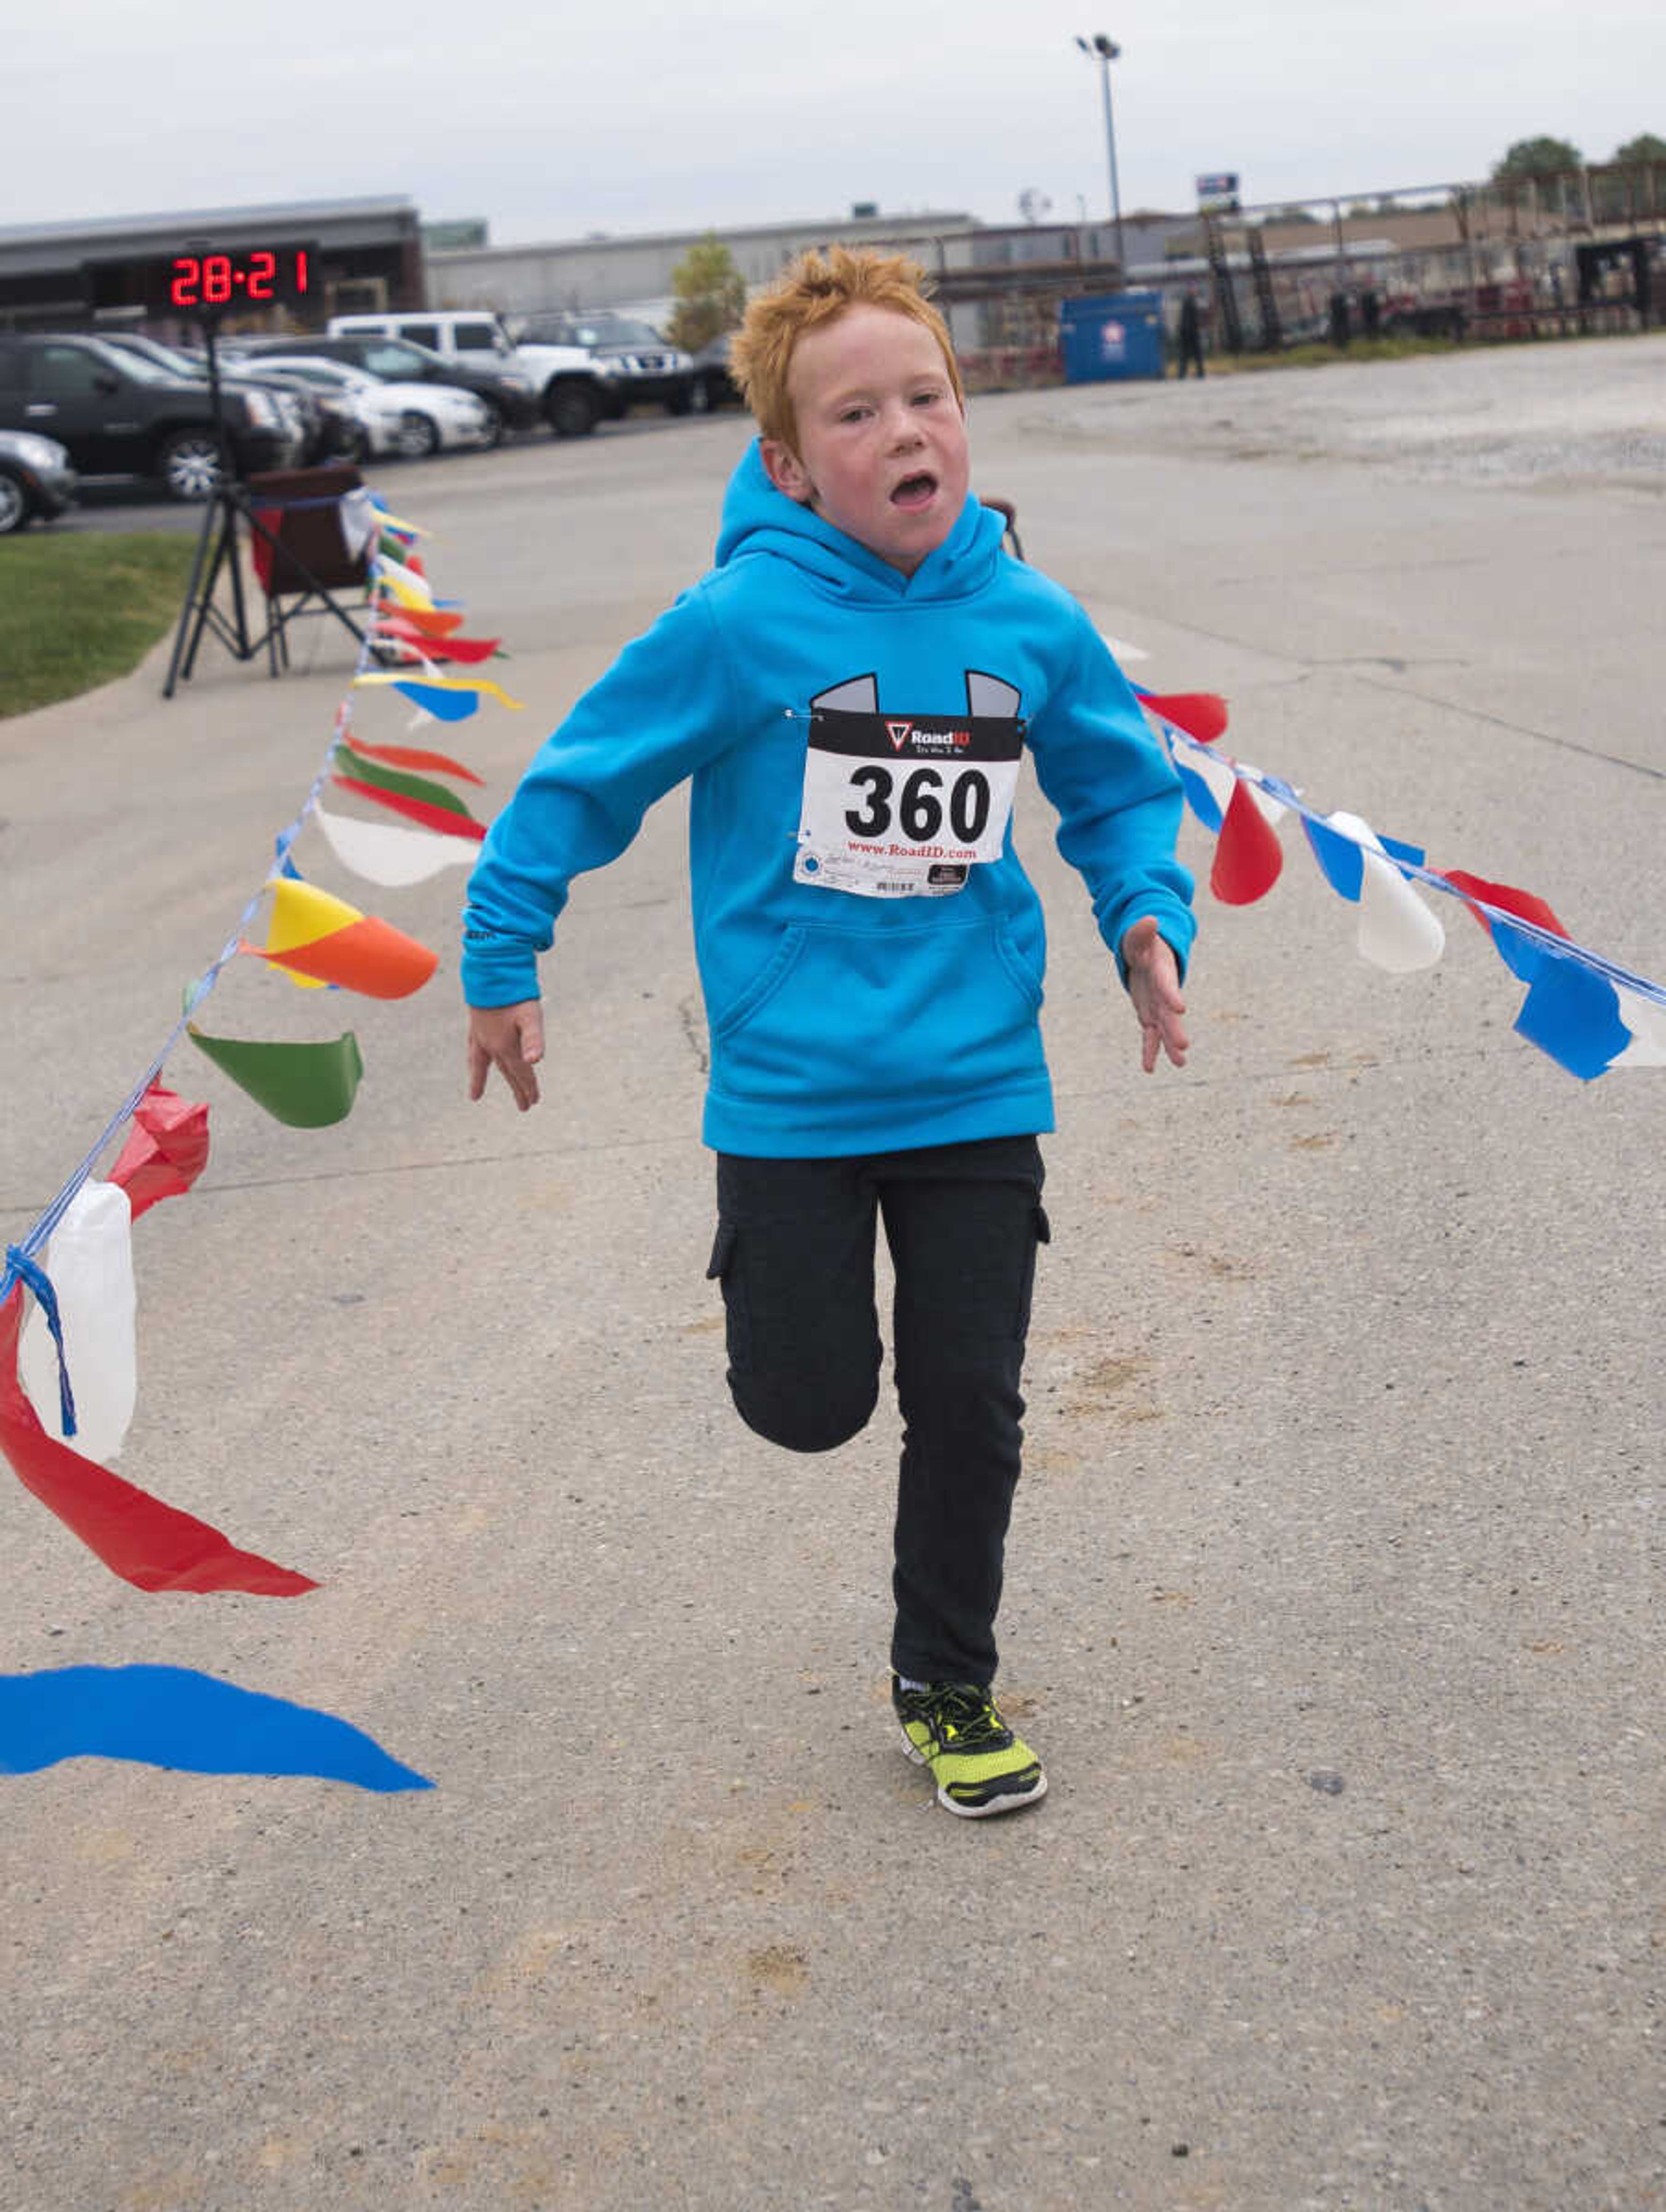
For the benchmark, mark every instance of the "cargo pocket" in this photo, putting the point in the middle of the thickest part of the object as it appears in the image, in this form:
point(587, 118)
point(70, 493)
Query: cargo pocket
point(722, 1269)
point(1041, 1233)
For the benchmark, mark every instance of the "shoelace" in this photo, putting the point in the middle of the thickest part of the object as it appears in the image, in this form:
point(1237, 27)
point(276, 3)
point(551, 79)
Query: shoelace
point(966, 1718)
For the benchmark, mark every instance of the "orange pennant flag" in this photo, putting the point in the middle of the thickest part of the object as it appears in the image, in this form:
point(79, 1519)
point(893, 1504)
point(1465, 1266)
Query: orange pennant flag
point(432, 621)
point(316, 934)
point(416, 756)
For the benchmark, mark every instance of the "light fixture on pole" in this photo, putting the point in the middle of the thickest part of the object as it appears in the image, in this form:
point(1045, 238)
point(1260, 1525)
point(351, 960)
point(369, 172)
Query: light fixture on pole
point(1106, 51)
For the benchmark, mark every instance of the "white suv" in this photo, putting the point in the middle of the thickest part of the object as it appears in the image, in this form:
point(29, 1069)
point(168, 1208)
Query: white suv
point(573, 394)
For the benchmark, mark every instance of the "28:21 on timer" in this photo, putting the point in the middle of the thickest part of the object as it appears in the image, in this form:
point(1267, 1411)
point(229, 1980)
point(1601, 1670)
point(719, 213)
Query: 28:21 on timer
point(214, 280)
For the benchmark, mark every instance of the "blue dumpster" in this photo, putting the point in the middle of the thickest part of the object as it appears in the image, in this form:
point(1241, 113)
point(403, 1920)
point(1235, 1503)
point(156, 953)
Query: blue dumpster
point(1115, 335)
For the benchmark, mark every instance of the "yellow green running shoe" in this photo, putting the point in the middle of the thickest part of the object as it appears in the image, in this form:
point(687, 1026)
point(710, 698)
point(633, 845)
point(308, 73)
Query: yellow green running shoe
point(978, 1764)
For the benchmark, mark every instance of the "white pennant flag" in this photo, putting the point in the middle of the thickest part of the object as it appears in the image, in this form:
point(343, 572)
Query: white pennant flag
point(89, 1263)
point(1397, 930)
point(1646, 1020)
point(383, 854)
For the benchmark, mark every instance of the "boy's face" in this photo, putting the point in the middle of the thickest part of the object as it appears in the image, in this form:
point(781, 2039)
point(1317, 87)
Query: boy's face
point(882, 439)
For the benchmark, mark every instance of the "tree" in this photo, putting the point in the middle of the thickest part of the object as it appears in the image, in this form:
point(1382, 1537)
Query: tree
point(710, 294)
point(1538, 157)
point(1646, 148)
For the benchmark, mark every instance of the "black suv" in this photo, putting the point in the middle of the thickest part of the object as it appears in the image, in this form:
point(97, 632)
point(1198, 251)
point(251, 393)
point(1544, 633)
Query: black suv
point(307, 419)
point(640, 368)
point(121, 416)
point(512, 399)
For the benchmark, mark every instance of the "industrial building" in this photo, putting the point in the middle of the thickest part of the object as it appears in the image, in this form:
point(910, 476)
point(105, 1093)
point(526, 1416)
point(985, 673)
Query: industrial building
point(1585, 252)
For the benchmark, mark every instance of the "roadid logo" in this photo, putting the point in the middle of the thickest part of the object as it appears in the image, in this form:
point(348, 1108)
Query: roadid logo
point(927, 741)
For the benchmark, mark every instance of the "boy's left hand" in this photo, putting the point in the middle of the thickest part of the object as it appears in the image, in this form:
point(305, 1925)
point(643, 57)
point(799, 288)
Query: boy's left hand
point(1153, 985)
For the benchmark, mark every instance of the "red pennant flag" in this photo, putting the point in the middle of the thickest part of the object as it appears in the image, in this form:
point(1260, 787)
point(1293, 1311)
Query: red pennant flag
point(415, 810)
point(153, 1546)
point(465, 649)
point(1201, 715)
point(450, 648)
point(1248, 855)
point(1526, 906)
point(461, 649)
point(166, 1149)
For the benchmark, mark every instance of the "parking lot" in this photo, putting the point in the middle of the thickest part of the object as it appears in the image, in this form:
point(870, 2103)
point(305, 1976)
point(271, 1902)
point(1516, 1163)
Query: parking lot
point(1333, 1596)
point(114, 507)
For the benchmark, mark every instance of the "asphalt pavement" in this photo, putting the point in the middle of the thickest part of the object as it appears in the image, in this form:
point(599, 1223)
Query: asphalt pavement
point(1334, 1589)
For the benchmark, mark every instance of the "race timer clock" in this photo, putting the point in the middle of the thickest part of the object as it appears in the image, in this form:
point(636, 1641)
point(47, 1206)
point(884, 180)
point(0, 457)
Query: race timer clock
point(203, 279)
point(260, 274)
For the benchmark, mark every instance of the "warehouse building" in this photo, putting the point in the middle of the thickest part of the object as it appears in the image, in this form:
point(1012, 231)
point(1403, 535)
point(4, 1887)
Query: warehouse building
point(361, 252)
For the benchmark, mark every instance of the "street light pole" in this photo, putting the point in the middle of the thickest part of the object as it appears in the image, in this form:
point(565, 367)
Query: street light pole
point(1106, 51)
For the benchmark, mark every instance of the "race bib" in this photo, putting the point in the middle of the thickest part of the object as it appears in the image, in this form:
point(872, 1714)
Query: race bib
point(903, 805)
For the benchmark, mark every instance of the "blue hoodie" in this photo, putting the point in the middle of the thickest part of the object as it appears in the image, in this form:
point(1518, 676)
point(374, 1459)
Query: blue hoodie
point(899, 1005)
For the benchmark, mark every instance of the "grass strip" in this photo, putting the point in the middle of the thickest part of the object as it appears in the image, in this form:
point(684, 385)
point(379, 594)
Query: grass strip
point(76, 611)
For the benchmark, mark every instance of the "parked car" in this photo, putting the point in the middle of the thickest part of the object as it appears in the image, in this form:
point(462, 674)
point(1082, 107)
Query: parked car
point(305, 420)
point(711, 368)
point(572, 390)
point(37, 480)
point(411, 420)
point(121, 416)
point(640, 368)
point(337, 434)
point(508, 393)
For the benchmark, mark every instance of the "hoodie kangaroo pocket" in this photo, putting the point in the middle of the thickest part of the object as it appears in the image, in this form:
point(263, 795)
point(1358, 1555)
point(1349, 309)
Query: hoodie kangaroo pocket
point(887, 1015)
point(763, 986)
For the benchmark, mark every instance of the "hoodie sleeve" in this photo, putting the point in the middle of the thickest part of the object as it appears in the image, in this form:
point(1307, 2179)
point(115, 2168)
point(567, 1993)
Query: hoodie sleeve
point(667, 705)
point(1118, 797)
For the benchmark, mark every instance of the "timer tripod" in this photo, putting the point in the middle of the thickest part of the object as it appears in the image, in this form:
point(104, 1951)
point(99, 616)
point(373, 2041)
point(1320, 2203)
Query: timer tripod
point(227, 511)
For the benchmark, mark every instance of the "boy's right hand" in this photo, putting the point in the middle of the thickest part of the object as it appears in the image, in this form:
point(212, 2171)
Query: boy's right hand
point(511, 1039)
point(1154, 985)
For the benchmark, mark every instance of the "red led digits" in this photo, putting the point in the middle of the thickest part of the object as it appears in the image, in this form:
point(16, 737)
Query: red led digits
point(193, 283)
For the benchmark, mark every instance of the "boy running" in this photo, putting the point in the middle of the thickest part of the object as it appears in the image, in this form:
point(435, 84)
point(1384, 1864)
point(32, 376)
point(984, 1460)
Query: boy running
point(850, 690)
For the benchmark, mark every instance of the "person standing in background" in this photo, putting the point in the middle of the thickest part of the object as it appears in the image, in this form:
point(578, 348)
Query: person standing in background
point(1191, 333)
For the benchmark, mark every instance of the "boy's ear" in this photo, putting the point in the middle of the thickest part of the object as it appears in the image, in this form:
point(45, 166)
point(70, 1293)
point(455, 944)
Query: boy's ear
point(785, 470)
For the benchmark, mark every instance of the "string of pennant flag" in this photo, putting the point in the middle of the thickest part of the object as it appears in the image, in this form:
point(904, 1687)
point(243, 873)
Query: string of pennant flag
point(1585, 1011)
point(68, 1380)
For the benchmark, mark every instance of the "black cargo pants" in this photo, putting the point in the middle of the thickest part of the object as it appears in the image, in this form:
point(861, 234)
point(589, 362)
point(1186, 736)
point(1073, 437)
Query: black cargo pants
point(794, 1251)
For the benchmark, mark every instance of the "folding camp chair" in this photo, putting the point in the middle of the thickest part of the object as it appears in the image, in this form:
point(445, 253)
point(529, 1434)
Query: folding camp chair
point(301, 555)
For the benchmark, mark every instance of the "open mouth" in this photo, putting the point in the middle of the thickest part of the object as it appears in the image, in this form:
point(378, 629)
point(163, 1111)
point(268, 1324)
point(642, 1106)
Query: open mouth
point(915, 492)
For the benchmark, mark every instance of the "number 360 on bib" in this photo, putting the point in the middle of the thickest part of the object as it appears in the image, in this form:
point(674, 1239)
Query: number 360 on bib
point(900, 806)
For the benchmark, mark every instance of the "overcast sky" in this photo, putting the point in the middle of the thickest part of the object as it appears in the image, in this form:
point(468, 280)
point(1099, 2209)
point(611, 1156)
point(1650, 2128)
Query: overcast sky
point(557, 120)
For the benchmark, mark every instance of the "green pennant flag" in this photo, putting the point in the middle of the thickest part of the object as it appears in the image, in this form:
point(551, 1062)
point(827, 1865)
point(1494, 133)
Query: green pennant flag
point(307, 1087)
point(348, 762)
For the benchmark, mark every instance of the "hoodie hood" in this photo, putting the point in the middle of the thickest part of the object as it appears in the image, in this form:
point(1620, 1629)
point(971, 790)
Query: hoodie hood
point(759, 519)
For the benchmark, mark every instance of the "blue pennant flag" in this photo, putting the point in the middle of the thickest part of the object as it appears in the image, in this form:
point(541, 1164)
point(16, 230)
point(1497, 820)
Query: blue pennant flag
point(444, 706)
point(173, 1716)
